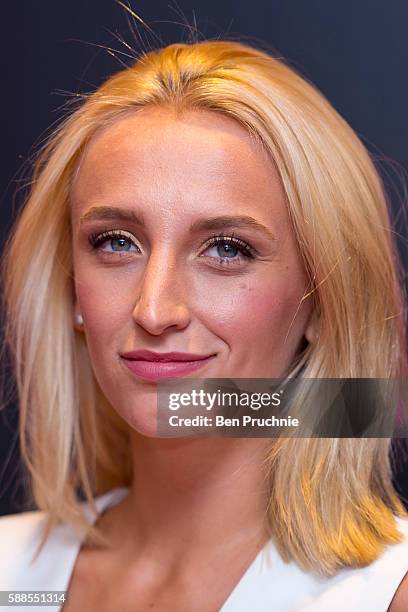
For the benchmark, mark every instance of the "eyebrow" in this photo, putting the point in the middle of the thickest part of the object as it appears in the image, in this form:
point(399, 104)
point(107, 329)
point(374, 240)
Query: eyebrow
point(242, 221)
point(213, 223)
point(111, 212)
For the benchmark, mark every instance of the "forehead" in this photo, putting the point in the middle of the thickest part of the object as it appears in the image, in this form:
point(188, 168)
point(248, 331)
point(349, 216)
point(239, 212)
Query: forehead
point(200, 159)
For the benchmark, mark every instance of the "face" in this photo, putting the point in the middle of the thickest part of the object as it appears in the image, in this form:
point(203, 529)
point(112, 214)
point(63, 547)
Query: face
point(182, 242)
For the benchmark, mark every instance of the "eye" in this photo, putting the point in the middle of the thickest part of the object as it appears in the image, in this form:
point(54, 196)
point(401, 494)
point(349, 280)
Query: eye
point(118, 241)
point(229, 250)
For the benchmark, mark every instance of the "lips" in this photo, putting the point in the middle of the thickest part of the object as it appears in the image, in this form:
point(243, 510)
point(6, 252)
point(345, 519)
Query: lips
point(145, 355)
point(152, 366)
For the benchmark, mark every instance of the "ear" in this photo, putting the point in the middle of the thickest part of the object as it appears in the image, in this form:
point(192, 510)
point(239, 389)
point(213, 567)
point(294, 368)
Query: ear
point(78, 320)
point(312, 327)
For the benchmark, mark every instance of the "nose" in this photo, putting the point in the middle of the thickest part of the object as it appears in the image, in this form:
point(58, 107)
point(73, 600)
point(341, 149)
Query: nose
point(161, 303)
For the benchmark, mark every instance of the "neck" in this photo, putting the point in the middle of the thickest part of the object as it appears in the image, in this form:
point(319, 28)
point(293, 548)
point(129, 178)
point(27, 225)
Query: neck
point(190, 494)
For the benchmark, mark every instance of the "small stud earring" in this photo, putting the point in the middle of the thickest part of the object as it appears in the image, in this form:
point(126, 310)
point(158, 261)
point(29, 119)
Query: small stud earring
point(78, 319)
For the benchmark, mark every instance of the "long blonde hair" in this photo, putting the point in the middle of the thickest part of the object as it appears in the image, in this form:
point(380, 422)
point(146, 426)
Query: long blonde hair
point(332, 503)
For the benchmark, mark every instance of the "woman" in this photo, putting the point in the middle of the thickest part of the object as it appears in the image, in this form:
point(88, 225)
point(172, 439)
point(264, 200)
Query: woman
point(207, 202)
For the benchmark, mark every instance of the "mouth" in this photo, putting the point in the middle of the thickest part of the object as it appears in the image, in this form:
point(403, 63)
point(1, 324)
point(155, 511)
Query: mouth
point(154, 367)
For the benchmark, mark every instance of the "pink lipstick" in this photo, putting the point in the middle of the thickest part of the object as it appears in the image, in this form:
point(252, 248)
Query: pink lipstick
point(150, 365)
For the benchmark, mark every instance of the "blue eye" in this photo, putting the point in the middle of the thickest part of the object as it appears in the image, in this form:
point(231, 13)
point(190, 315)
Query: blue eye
point(228, 248)
point(119, 241)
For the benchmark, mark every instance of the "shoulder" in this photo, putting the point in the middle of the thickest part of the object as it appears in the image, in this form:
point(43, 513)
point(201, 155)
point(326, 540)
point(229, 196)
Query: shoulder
point(22, 520)
point(375, 586)
point(19, 531)
point(24, 530)
point(399, 601)
point(20, 567)
point(20, 535)
point(397, 559)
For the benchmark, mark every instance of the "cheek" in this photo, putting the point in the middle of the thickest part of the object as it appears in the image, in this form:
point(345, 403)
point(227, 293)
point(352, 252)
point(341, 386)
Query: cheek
point(260, 321)
point(265, 332)
point(103, 307)
point(106, 314)
point(257, 309)
point(101, 296)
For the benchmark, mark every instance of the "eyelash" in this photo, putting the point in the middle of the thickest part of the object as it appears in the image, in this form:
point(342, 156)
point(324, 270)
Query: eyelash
point(97, 239)
point(247, 251)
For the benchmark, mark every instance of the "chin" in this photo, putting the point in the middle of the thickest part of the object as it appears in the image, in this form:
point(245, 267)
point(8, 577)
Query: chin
point(143, 421)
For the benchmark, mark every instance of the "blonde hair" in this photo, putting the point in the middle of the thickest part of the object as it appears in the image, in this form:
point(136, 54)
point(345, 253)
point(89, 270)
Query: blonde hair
point(332, 503)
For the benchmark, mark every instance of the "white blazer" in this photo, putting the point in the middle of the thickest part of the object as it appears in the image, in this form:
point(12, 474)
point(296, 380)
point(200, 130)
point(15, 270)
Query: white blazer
point(268, 585)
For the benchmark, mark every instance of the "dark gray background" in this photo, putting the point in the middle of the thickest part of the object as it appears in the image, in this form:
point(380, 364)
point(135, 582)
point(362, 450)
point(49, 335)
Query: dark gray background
point(356, 52)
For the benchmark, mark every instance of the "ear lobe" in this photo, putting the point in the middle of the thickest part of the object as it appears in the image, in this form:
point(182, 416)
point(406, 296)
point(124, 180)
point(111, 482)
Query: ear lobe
point(78, 320)
point(312, 328)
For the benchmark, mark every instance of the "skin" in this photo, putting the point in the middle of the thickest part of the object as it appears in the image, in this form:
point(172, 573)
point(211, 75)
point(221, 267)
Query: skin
point(399, 602)
point(170, 292)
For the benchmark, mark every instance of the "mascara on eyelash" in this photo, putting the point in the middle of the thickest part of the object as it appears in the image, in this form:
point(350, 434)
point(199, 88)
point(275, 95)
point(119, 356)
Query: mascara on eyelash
point(98, 238)
point(244, 247)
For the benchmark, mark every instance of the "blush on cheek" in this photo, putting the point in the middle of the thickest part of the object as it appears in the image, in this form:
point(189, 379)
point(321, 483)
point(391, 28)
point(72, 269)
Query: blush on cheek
point(255, 310)
point(263, 327)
